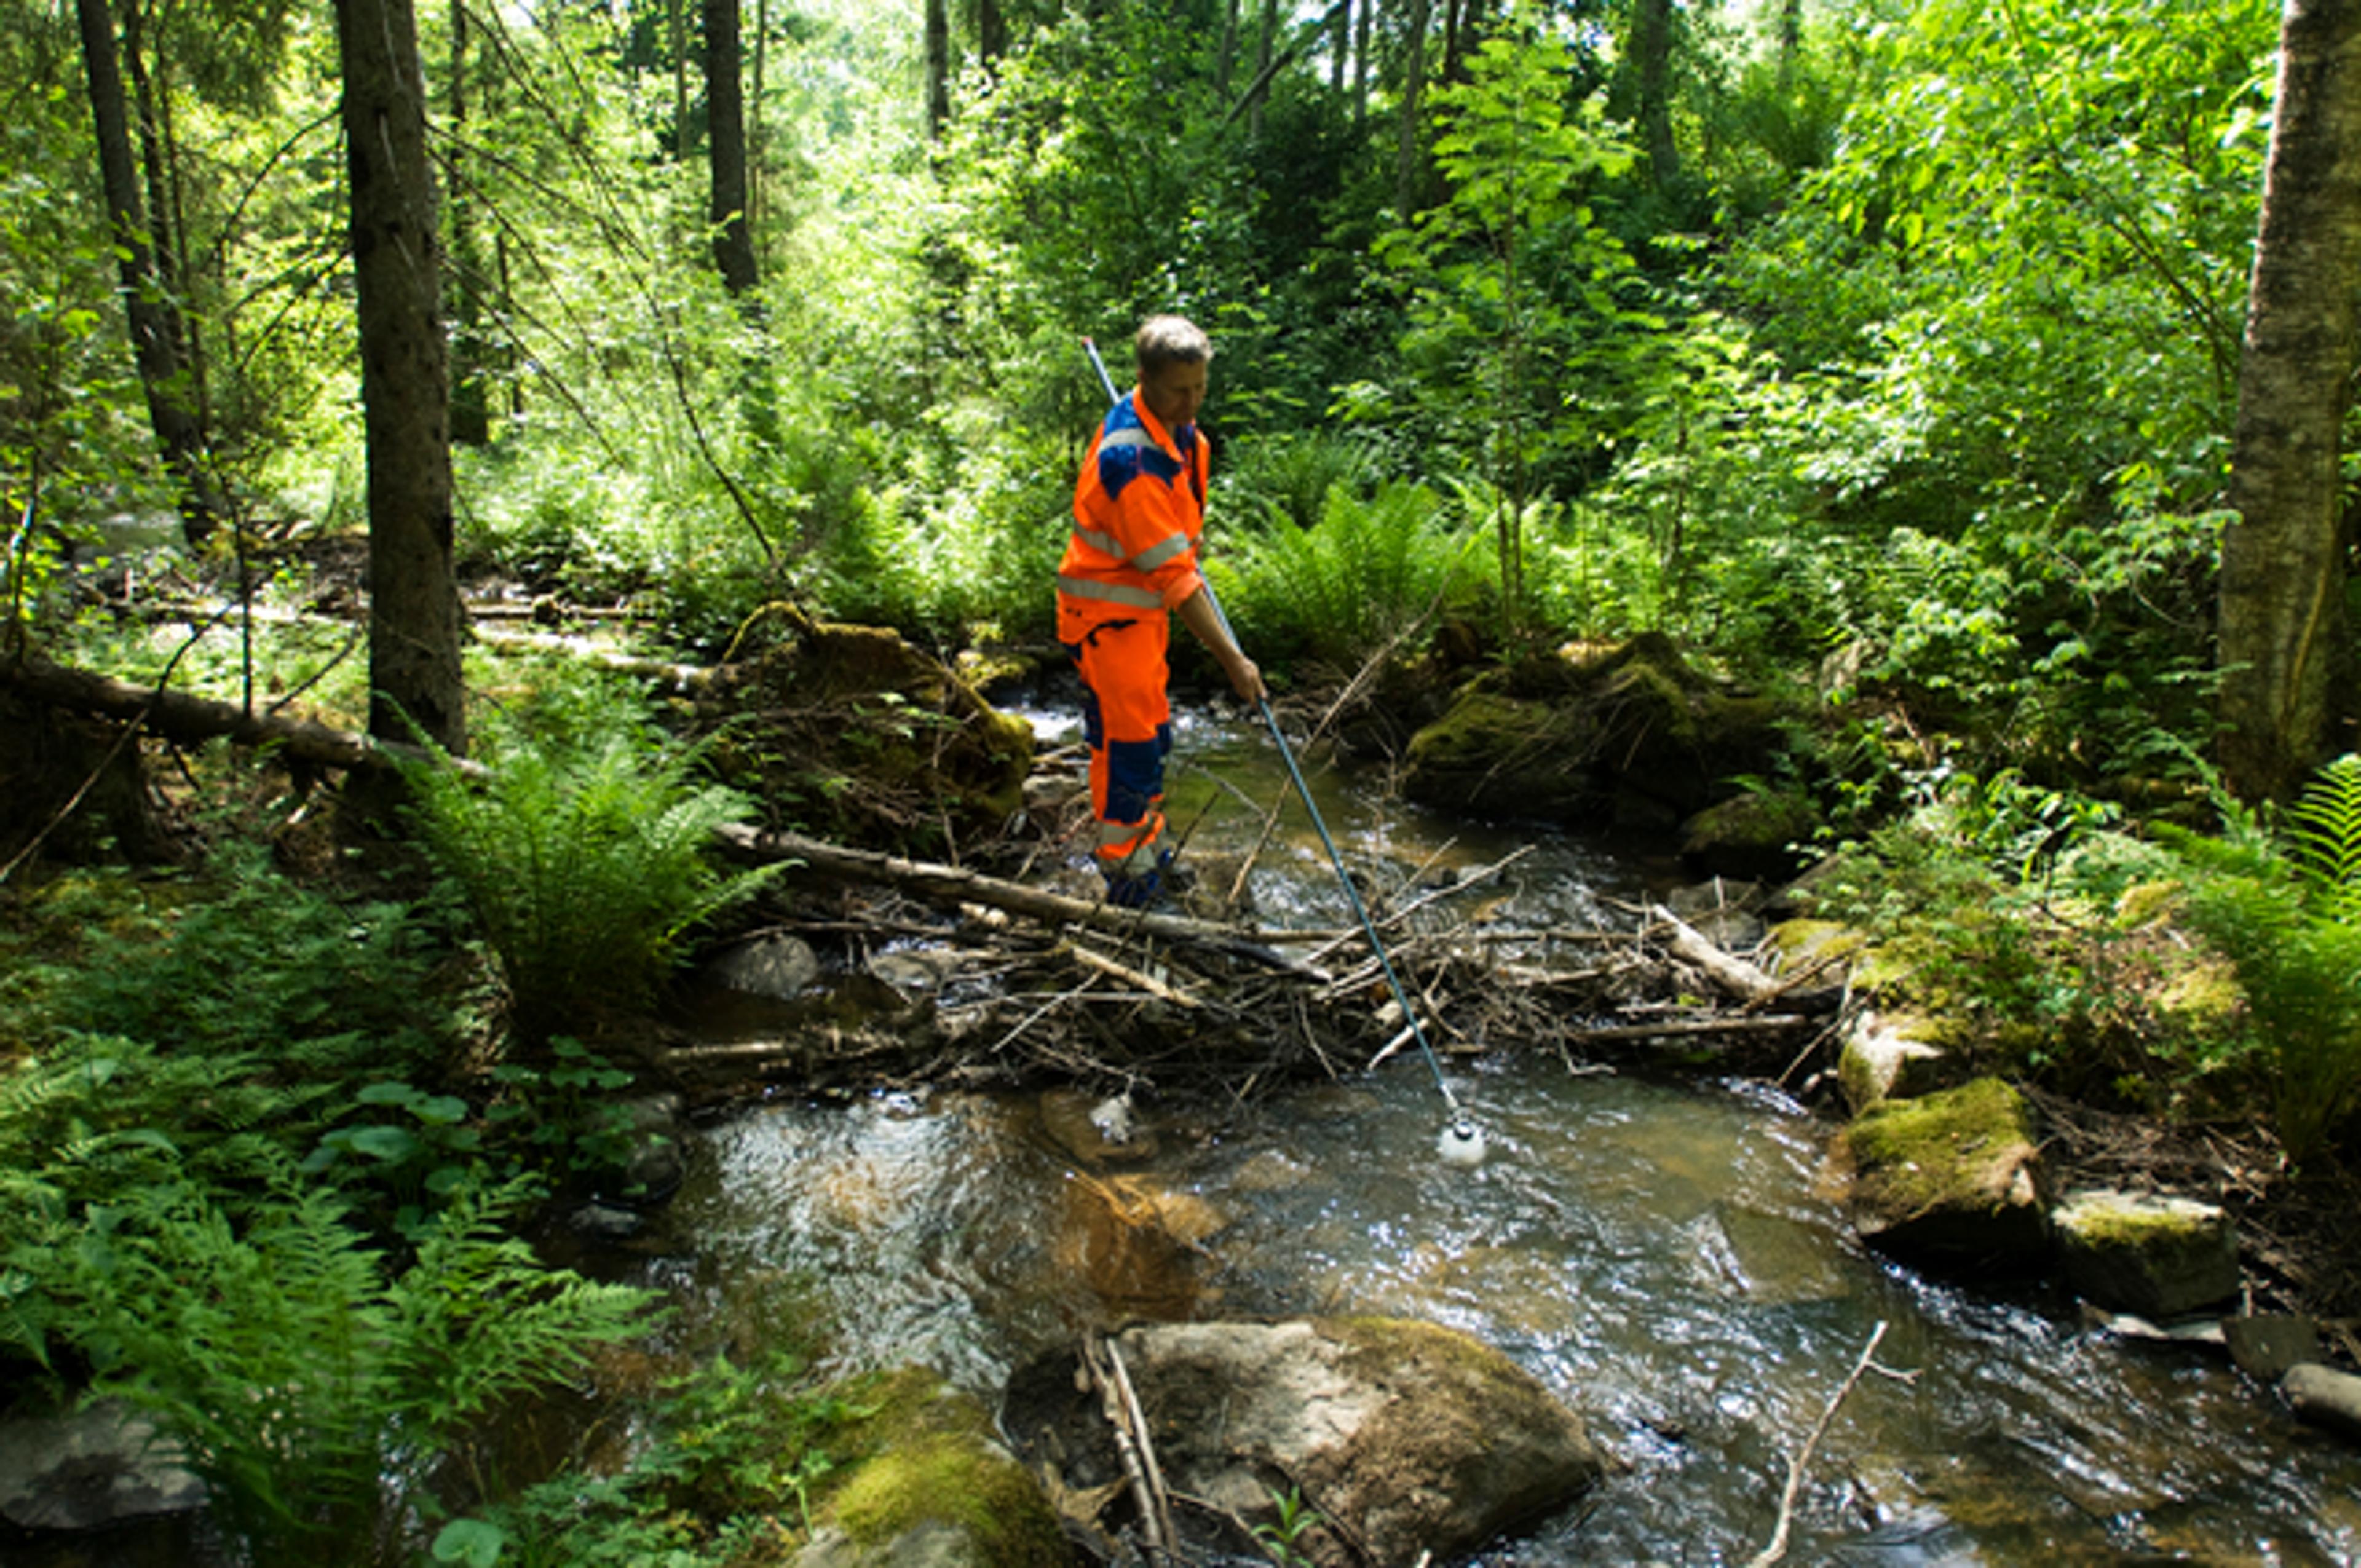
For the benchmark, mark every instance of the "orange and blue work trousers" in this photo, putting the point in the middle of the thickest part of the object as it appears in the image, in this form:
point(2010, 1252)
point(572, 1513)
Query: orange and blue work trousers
point(1128, 724)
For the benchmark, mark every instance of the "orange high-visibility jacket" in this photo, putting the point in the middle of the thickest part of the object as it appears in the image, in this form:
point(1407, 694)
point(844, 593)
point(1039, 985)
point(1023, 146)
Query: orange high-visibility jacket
point(1138, 508)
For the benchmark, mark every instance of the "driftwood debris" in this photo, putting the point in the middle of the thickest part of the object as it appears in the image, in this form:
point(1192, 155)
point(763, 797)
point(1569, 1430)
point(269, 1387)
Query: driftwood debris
point(1732, 975)
point(956, 886)
point(177, 715)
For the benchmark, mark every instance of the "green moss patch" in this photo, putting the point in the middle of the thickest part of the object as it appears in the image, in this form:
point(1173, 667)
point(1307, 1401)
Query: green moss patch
point(1961, 1149)
point(927, 1455)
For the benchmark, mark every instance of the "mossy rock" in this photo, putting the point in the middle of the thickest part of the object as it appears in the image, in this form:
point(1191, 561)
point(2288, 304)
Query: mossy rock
point(849, 733)
point(1751, 836)
point(930, 1483)
point(1493, 753)
point(996, 669)
point(1401, 697)
point(1885, 1056)
point(1415, 1443)
point(1953, 1175)
point(1804, 940)
point(2158, 1255)
point(1626, 735)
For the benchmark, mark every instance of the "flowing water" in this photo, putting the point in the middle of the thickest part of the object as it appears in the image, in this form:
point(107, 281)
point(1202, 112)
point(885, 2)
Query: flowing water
point(1667, 1259)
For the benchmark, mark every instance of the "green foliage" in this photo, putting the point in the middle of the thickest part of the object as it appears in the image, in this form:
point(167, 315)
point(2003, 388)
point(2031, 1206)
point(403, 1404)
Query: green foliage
point(2007, 911)
point(298, 1370)
point(251, 962)
point(1292, 474)
point(2323, 834)
point(585, 867)
point(2283, 907)
point(1280, 1538)
point(1336, 593)
point(730, 1455)
point(1512, 286)
point(563, 1112)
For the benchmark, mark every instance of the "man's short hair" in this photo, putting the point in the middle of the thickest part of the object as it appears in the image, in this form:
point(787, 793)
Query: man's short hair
point(1170, 340)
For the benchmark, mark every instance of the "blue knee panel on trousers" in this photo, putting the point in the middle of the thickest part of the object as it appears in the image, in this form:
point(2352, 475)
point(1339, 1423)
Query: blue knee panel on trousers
point(1136, 775)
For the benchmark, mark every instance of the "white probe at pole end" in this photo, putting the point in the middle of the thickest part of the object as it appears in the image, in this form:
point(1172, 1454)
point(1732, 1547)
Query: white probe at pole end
point(1462, 1144)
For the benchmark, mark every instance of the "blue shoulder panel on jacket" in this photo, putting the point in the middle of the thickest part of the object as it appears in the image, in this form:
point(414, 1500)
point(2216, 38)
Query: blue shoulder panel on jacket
point(1122, 462)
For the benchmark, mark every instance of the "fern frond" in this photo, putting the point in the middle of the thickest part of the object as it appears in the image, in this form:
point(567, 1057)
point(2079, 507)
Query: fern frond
point(2325, 834)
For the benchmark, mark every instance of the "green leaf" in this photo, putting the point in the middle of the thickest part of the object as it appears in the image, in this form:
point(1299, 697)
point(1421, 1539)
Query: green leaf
point(477, 1543)
point(381, 1142)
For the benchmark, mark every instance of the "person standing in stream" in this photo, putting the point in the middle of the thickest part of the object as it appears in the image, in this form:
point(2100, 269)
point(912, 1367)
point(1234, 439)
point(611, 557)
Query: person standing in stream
point(1131, 562)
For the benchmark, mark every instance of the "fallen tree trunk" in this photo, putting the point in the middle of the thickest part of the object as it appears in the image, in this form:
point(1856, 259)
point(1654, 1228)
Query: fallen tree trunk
point(956, 884)
point(177, 715)
point(1733, 974)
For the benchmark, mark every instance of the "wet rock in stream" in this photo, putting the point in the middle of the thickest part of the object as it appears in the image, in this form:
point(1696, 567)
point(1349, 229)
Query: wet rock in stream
point(1407, 1438)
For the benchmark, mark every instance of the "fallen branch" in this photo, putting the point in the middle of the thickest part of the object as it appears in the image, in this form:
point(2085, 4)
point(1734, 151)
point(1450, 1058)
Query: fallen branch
point(680, 680)
point(1394, 918)
point(1090, 959)
point(177, 715)
point(1158, 1497)
point(1155, 1509)
point(954, 886)
point(1777, 1548)
point(1734, 975)
point(1678, 1026)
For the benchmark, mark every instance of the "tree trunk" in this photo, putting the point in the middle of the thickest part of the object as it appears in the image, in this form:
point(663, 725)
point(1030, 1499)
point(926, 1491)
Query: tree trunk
point(1340, 48)
point(938, 67)
point(1652, 63)
point(679, 19)
point(2287, 700)
point(1791, 42)
point(1361, 24)
point(1409, 160)
point(1263, 52)
point(990, 33)
point(725, 136)
point(146, 307)
point(757, 139)
point(167, 239)
point(471, 408)
point(1227, 62)
point(414, 624)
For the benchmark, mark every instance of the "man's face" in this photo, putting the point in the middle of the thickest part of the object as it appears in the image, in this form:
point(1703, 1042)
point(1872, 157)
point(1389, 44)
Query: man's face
point(1174, 393)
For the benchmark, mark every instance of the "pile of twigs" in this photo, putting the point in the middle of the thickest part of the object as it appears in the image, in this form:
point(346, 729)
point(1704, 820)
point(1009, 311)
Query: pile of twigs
point(1015, 984)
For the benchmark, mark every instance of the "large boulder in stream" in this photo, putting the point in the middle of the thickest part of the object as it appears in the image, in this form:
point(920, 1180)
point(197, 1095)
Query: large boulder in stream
point(1952, 1177)
point(1635, 736)
point(1408, 1439)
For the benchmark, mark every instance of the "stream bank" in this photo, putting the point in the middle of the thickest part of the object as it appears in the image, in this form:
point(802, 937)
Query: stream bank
point(1661, 1238)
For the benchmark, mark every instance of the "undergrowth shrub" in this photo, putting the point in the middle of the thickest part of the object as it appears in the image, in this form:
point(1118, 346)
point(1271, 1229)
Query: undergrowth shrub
point(309, 1381)
point(247, 962)
point(2285, 905)
point(730, 1461)
point(1289, 476)
point(2012, 913)
point(1339, 591)
point(584, 866)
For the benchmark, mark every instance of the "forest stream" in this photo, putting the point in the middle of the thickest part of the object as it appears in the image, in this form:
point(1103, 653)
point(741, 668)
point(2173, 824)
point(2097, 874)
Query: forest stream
point(1665, 1257)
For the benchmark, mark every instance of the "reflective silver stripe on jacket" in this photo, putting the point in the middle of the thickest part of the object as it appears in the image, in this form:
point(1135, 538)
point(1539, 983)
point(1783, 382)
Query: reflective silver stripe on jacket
point(1148, 560)
point(1113, 593)
point(1130, 435)
point(1156, 554)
